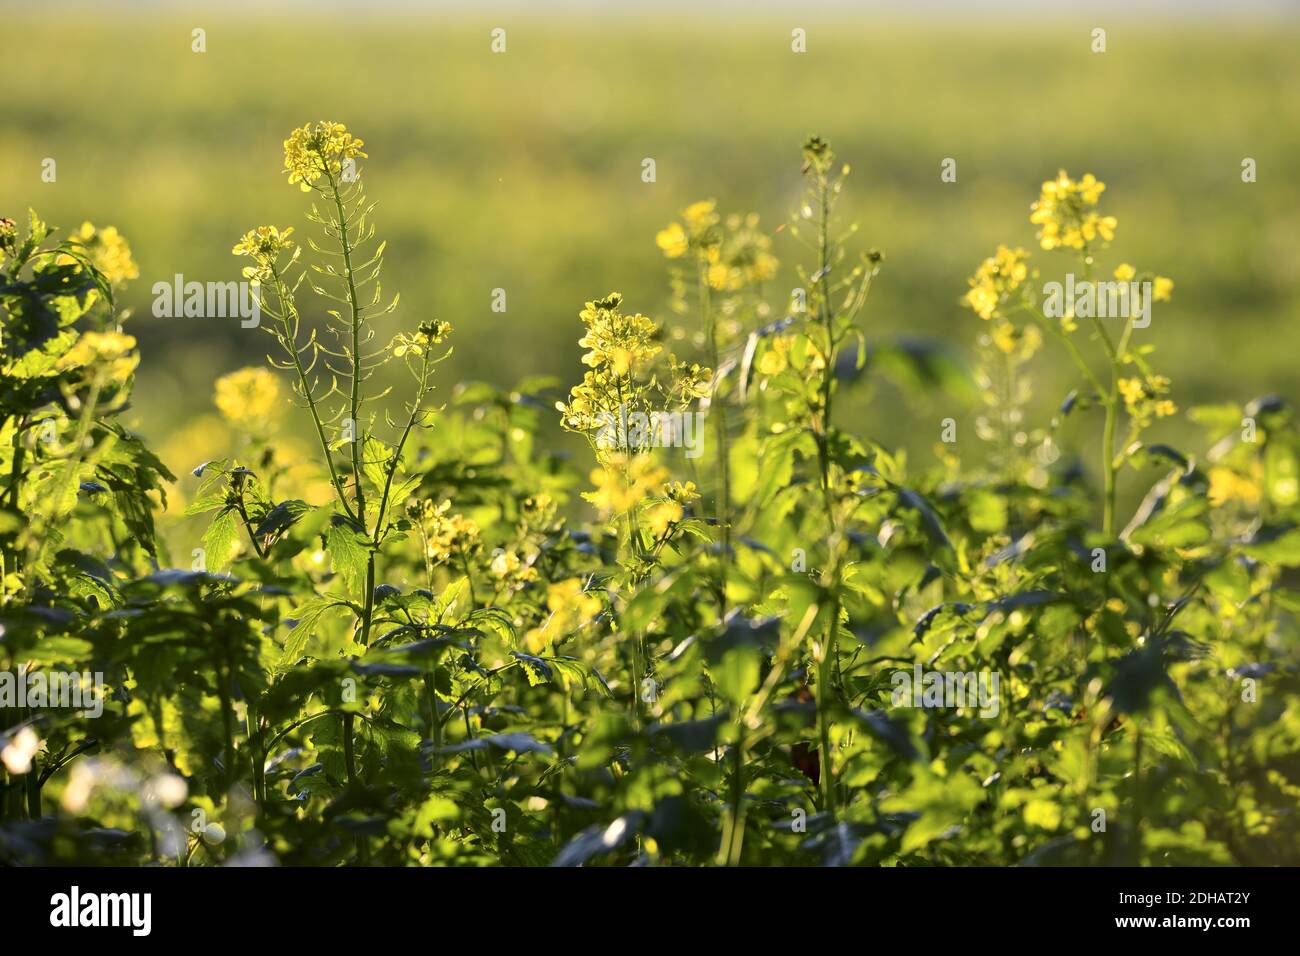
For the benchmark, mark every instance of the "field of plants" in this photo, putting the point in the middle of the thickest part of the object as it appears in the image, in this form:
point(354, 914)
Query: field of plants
point(683, 606)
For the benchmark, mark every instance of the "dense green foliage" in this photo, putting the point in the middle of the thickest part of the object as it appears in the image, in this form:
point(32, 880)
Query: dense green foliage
point(408, 650)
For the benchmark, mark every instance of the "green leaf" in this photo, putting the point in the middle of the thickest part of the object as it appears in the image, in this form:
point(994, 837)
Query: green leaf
point(1283, 550)
point(221, 540)
point(348, 551)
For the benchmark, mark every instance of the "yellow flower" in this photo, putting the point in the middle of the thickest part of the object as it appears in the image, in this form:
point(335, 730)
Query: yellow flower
point(249, 398)
point(264, 244)
point(1146, 399)
point(718, 276)
point(109, 352)
point(107, 250)
point(672, 240)
point(614, 338)
point(776, 358)
point(571, 609)
point(1004, 337)
point(1064, 216)
point(1226, 485)
point(620, 360)
point(1089, 189)
point(1094, 226)
point(732, 257)
point(508, 566)
point(701, 215)
point(689, 380)
point(1131, 390)
point(1001, 273)
point(661, 516)
point(317, 150)
point(1125, 272)
point(426, 336)
point(1162, 288)
point(446, 535)
point(683, 492)
point(1021, 342)
point(623, 482)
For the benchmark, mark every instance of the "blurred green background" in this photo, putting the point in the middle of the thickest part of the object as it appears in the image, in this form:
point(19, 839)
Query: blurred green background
point(522, 171)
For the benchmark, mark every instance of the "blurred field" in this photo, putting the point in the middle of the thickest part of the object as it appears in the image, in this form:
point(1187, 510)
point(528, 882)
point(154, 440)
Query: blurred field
point(522, 171)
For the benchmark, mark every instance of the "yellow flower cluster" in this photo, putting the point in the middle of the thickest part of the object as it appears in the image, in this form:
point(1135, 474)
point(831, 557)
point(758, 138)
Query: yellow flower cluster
point(509, 568)
point(682, 492)
point(1145, 399)
point(624, 379)
point(571, 609)
point(1065, 216)
point(8, 238)
point(319, 149)
point(614, 340)
point(690, 380)
point(447, 535)
point(696, 231)
point(618, 346)
point(111, 353)
point(776, 357)
point(1226, 485)
point(264, 244)
point(425, 337)
point(249, 398)
point(733, 257)
point(107, 250)
point(624, 481)
point(1001, 273)
point(1020, 343)
point(661, 516)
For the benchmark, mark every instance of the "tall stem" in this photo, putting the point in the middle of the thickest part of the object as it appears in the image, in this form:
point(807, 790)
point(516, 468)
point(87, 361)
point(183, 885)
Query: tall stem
point(827, 660)
point(354, 402)
point(722, 492)
point(1108, 462)
point(1112, 412)
point(288, 310)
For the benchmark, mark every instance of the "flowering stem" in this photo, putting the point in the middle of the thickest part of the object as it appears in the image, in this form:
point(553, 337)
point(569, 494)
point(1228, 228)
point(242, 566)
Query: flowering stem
point(1073, 349)
point(354, 402)
point(722, 493)
point(1108, 462)
point(290, 342)
point(354, 406)
point(826, 660)
point(416, 410)
point(636, 667)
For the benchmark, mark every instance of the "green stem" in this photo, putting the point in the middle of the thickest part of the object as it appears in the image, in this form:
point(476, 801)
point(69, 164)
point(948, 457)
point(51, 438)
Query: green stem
point(349, 756)
point(1075, 354)
point(733, 837)
point(227, 720)
point(290, 344)
point(825, 667)
point(722, 493)
point(354, 402)
point(1108, 467)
